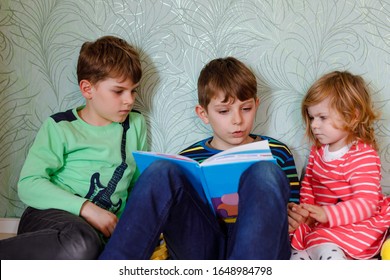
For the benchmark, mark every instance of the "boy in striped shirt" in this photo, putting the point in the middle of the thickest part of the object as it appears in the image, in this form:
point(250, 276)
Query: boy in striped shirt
point(164, 200)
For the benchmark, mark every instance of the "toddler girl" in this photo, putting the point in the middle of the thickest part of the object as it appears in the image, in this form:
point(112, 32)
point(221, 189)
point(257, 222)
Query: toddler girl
point(349, 217)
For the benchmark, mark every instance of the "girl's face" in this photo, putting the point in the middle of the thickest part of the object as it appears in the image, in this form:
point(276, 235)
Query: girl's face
point(326, 125)
point(231, 122)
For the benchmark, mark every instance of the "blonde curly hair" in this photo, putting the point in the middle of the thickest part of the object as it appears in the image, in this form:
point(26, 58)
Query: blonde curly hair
point(349, 96)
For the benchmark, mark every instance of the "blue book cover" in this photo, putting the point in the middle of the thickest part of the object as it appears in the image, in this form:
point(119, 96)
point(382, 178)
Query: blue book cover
point(216, 179)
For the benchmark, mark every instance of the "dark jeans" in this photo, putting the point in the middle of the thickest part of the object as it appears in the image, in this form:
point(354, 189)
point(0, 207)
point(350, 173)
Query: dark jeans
point(163, 200)
point(51, 235)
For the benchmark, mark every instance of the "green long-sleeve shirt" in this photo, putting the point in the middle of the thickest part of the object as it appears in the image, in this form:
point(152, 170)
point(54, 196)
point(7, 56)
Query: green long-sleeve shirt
point(71, 161)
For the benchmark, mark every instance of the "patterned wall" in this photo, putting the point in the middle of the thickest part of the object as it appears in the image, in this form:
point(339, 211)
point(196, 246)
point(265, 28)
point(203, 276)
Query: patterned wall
point(287, 43)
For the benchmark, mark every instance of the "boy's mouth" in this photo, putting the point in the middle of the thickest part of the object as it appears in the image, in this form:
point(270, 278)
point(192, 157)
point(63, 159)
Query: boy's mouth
point(238, 133)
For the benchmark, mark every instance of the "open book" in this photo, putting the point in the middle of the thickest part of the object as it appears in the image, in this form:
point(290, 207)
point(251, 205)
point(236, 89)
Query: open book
point(217, 178)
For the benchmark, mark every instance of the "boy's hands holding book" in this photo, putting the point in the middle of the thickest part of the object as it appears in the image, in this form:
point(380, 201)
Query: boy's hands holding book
point(101, 219)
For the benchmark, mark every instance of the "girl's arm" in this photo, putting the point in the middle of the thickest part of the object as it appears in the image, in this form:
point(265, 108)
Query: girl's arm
point(306, 194)
point(364, 179)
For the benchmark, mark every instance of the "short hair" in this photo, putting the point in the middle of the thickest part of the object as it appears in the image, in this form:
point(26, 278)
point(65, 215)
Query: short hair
point(108, 57)
point(229, 76)
point(350, 98)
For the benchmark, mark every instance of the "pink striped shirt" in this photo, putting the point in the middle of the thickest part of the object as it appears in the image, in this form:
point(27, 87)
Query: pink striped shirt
point(349, 190)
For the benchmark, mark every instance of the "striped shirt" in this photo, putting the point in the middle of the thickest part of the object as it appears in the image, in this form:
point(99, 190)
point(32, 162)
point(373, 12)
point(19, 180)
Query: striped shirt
point(348, 188)
point(201, 151)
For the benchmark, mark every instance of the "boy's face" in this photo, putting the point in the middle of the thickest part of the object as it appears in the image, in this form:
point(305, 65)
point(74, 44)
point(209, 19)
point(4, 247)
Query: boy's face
point(107, 101)
point(231, 122)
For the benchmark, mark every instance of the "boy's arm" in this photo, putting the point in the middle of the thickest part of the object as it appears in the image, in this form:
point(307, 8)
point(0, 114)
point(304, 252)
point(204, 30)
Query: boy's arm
point(101, 219)
point(296, 213)
point(46, 156)
point(141, 140)
point(285, 160)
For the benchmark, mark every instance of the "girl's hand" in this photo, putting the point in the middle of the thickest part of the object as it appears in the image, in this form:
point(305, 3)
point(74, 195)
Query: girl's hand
point(101, 219)
point(316, 212)
point(296, 216)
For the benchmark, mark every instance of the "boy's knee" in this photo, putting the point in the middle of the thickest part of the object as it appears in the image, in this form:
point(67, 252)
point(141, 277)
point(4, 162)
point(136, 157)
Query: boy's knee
point(159, 167)
point(80, 242)
point(265, 169)
point(163, 172)
point(265, 173)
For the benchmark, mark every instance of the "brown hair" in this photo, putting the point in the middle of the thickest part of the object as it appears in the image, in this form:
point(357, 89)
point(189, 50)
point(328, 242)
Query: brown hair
point(229, 76)
point(350, 97)
point(108, 57)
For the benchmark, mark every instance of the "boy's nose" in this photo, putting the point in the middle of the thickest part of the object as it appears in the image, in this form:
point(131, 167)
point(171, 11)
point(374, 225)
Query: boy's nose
point(237, 118)
point(128, 98)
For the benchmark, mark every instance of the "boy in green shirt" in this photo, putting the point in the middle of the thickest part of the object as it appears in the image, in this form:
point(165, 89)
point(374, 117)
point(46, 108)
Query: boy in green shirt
point(76, 176)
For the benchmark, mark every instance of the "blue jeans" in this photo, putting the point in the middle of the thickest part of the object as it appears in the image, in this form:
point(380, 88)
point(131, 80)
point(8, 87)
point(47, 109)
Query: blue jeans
point(164, 201)
point(52, 235)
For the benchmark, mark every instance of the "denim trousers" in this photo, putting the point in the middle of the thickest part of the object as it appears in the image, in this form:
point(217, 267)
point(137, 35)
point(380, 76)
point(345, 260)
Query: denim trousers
point(164, 201)
point(52, 235)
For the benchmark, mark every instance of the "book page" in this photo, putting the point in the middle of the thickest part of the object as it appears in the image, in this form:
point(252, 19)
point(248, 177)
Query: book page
point(165, 156)
point(258, 150)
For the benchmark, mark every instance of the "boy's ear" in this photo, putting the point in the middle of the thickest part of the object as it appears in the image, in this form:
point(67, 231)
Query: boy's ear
point(86, 89)
point(202, 114)
point(257, 102)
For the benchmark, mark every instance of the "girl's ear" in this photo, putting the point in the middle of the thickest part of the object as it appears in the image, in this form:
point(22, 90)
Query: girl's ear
point(86, 89)
point(357, 114)
point(202, 114)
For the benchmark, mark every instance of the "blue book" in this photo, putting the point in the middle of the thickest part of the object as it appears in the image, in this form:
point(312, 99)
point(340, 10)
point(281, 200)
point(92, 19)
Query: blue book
point(216, 179)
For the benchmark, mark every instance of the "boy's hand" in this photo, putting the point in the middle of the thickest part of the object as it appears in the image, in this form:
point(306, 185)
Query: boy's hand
point(101, 219)
point(316, 212)
point(296, 216)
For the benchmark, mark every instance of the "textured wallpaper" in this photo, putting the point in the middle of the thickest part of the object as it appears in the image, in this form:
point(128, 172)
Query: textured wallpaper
point(287, 43)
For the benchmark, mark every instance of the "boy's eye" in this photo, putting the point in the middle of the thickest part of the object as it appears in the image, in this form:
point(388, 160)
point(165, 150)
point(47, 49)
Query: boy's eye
point(223, 111)
point(247, 108)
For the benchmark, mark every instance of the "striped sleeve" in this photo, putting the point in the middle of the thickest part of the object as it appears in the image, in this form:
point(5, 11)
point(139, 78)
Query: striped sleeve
point(363, 173)
point(285, 160)
point(197, 152)
point(306, 192)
